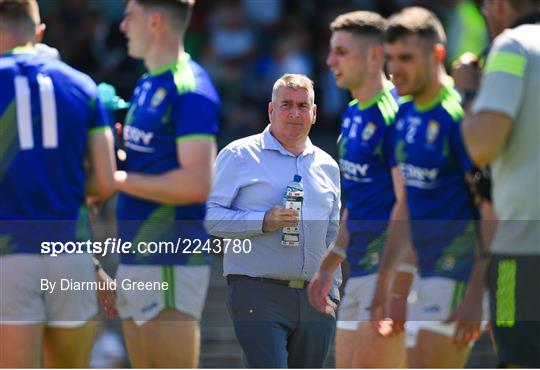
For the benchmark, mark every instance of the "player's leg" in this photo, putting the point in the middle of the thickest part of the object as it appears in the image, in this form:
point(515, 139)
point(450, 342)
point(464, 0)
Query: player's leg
point(436, 350)
point(68, 347)
point(155, 319)
point(347, 324)
point(69, 333)
point(434, 347)
point(22, 310)
point(345, 346)
point(155, 343)
point(376, 351)
point(20, 345)
point(372, 349)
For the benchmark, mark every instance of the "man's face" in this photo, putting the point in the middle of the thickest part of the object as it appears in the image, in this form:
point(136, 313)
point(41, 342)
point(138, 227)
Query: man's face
point(410, 64)
point(135, 27)
point(291, 115)
point(347, 60)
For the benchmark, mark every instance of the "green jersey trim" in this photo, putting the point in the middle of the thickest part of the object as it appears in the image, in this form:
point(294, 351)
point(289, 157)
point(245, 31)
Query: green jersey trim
point(183, 76)
point(198, 137)
point(21, 50)
point(506, 62)
point(167, 276)
point(100, 129)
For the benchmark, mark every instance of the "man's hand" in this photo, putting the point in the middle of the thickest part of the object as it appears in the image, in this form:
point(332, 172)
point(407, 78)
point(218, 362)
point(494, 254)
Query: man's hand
point(468, 318)
point(466, 73)
point(278, 217)
point(318, 290)
point(107, 297)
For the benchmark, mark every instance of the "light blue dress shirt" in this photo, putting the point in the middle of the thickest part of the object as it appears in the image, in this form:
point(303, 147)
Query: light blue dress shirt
point(251, 177)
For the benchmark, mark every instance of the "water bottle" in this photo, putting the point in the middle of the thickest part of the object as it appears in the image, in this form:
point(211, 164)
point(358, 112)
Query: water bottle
point(293, 199)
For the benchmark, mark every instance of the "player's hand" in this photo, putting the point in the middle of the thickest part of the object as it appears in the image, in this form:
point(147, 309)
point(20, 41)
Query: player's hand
point(397, 312)
point(468, 318)
point(107, 297)
point(380, 319)
point(278, 217)
point(318, 290)
point(119, 179)
point(466, 72)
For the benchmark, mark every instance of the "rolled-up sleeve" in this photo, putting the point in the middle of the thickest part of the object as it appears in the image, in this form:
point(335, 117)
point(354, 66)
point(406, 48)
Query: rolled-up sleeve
point(333, 225)
point(222, 219)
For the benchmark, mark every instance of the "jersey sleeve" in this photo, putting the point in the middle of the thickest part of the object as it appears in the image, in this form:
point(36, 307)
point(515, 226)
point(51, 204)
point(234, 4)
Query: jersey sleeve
point(99, 119)
point(457, 148)
point(502, 86)
point(389, 139)
point(194, 116)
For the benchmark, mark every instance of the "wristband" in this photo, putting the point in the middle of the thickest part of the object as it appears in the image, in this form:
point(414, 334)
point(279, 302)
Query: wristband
point(407, 268)
point(97, 264)
point(340, 251)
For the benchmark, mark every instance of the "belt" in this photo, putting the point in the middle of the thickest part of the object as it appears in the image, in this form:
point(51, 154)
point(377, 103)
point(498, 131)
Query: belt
point(296, 284)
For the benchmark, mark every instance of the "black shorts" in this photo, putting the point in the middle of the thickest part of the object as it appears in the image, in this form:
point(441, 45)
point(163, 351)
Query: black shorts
point(514, 285)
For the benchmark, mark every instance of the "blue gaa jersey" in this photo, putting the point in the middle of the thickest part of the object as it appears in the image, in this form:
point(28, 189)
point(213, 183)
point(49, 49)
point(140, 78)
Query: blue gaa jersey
point(47, 112)
point(173, 104)
point(433, 161)
point(365, 151)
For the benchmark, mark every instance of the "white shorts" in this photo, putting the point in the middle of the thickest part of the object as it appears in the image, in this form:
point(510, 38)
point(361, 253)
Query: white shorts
point(26, 300)
point(436, 299)
point(186, 291)
point(356, 302)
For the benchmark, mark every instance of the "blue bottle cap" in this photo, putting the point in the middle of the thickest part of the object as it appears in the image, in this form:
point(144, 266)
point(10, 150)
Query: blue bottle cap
point(297, 178)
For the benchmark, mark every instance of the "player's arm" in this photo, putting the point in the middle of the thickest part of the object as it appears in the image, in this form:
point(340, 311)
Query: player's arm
point(485, 134)
point(101, 163)
point(487, 127)
point(322, 280)
point(397, 246)
point(468, 315)
point(189, 184)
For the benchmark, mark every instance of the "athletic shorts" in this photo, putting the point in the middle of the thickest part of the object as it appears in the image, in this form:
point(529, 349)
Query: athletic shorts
point(26, 295)
point(437, 298)
point(185, 290)
point(355, 305)
point(515, 308)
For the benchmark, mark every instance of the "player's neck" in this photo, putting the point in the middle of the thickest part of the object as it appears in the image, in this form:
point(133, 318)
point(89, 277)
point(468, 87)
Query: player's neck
point(431, 91)
point(372, 86)
point(8, 44)
point(163, 54)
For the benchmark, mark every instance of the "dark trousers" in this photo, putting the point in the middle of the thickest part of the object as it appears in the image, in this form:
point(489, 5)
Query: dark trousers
point(277, 327)
point(515, 308)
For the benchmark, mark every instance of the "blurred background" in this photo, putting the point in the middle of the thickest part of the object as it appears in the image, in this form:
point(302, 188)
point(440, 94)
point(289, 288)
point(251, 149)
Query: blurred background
point(245, 45)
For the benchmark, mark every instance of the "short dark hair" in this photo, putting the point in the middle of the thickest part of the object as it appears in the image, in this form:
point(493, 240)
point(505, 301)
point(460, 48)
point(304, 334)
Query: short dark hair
point(363, 23)
point(179, 10)
point(524, 5)
point(415, 21)
point(20, 13)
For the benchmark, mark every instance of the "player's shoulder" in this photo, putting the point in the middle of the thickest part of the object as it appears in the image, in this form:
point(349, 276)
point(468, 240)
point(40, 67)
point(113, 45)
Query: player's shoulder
point(450, 108)
point(64, 74)
point(323, 158)
point(249, 146)
point(191, 79)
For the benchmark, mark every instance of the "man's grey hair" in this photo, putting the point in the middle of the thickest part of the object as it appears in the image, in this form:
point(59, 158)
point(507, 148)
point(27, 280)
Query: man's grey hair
point(294, 81)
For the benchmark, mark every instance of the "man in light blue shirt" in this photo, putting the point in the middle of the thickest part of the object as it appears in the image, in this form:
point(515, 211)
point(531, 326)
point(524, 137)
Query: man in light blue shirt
point(273, 320)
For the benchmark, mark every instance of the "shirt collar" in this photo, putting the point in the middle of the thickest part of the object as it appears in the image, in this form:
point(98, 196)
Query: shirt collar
point(528, 19)
point(269, 142)
point(21, 50)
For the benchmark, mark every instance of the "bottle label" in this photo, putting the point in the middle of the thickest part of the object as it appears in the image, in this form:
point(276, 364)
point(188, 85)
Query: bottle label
point(293, 200)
